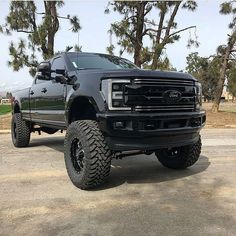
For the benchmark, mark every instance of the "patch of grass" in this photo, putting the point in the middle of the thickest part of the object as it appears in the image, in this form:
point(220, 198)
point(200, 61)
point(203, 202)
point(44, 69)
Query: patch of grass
point(4, 109)
point(228, 108)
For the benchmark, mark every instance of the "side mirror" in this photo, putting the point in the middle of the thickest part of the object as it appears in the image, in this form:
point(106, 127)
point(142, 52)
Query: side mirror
point(60, 72)
point(45, 69)
point(40, 76)
point(61, 79)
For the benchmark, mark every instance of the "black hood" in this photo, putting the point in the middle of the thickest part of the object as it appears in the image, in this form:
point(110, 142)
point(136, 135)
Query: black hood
point(134, 73)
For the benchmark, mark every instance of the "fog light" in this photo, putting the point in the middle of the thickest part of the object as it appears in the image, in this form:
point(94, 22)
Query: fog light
point(195, 122)
point(119, 124)
point(117, 103)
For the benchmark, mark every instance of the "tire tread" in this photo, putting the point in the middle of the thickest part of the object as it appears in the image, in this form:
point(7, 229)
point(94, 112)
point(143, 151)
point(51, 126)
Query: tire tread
point(98, 159)
point(189, 155)
point(22, 129)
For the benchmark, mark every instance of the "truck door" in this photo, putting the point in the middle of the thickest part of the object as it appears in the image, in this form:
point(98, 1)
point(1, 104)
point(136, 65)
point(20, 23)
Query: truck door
point(35, 95)
point(50, 105)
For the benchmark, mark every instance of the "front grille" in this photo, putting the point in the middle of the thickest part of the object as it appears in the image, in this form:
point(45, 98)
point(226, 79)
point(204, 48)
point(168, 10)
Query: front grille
point(160, 94)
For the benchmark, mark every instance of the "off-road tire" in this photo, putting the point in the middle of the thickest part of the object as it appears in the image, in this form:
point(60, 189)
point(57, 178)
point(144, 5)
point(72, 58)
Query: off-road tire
point(20, 131)
point(95, 154)
point(185, 156)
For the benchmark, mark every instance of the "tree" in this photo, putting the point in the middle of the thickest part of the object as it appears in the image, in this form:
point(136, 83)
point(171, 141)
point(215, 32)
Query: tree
point(225, 52)
point(232, 79)
point(206, 70)
point(136, 26)
point(23, 18)
point(9, 95)
point(163, 64)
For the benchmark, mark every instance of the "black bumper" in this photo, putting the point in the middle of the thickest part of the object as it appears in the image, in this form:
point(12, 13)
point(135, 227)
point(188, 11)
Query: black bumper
point(150, 131)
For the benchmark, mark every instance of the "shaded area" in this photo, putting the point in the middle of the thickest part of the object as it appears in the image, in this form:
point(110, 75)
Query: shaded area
point(146, 169)
point(54, 142)
point(134, 169)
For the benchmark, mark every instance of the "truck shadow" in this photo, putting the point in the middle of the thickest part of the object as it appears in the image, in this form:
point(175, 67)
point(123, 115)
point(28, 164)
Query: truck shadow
point(54, 142)
point(147, 169)
point(135, 169)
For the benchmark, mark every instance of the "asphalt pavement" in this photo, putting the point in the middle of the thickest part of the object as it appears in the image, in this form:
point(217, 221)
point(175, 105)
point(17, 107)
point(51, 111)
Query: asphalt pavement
point(141, 197)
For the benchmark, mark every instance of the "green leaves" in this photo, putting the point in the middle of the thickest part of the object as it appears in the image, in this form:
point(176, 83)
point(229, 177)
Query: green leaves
point(75, 24)
point(40, 28)
point(232, 79)
point(20, 58)
point(136, 25)
point(226, 8)
point(206, 71)
point(21, 16)
point(190, 5)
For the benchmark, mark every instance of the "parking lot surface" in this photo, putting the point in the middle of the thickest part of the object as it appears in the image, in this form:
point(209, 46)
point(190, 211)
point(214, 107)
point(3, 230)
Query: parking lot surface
point(141, 197)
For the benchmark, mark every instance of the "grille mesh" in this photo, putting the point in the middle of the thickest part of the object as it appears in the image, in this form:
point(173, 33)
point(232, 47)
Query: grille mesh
point(149, 95)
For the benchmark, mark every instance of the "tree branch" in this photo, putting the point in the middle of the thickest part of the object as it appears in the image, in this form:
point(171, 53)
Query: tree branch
point(150, 22)
point(171, 21)
point(147, 11)
point(153, 30)
point(160, 26)
point(176, 32)
point(127, 34)
point(25, 31)
point(218, 56)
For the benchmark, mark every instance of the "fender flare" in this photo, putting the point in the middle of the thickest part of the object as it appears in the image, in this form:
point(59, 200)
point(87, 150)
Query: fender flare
point(71, 101)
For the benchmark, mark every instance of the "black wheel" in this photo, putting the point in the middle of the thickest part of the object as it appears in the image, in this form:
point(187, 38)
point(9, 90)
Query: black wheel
point(20, 131)
point(87, 156)
point(180, 157)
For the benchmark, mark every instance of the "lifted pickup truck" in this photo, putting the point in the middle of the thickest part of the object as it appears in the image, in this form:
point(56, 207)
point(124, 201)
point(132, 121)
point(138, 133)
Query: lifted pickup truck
point(110, 109)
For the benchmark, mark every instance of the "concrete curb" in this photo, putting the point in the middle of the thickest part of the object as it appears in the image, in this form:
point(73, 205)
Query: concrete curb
point(5, 131)
point(230, 126)
point(220, 126)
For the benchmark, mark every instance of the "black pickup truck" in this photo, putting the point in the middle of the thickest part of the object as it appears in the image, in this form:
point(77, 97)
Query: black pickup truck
point(110, 109)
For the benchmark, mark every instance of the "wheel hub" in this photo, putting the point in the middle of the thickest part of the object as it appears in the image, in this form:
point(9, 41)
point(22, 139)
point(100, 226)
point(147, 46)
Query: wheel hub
point(77, 155)
point(173, 152)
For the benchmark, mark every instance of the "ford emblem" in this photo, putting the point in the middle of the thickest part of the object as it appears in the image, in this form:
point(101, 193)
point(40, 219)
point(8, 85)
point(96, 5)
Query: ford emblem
point(172, 95)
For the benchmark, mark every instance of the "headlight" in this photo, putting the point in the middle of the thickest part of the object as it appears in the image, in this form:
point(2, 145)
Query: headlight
point(112, 91)
point(199, 94)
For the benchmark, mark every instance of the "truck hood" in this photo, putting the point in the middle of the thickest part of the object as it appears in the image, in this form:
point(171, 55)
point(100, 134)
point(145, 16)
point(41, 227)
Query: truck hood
point(132, 73)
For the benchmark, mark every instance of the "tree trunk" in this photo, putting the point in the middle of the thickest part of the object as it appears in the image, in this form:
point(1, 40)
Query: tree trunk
point(51, 13)
point(158, 48)
point(220, 84)
point(139, 33)
point(158, 44)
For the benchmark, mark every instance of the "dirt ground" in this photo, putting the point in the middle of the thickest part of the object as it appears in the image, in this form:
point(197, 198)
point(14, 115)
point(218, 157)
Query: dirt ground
point(5, 121)
point(226, 116)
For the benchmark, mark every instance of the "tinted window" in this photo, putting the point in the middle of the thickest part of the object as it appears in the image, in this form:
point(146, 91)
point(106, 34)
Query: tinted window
point(57, 64)
point(38, 81)
point(99, 61)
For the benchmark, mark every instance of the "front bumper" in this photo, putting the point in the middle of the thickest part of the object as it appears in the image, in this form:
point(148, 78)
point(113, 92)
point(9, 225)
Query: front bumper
point(150, 131)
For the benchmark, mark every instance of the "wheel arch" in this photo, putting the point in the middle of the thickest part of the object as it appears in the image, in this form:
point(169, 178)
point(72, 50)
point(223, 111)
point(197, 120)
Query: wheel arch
point(81, 108)
point(16, 108)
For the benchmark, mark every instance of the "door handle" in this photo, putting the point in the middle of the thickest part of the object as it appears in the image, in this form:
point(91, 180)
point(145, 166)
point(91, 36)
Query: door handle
point(44, 90)
point(31, 92)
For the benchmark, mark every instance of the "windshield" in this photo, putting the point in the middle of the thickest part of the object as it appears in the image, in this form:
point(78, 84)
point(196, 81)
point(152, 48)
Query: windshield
point(99, 61)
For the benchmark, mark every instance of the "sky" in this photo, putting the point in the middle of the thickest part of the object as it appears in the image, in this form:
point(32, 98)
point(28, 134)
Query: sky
point(212, 30)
